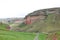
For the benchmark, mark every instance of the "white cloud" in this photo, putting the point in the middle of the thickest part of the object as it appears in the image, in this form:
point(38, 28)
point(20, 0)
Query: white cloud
point(20, 8)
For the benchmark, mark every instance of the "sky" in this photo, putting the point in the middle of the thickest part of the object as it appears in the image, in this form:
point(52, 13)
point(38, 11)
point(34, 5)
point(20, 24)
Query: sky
point(20, 8)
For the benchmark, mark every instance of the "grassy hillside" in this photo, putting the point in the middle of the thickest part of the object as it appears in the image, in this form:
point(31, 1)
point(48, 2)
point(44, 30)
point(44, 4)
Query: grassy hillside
point(3, 26)
point(46, 25)
point(12, 35)
point(9, 35)
point(43, 36)
point(51, 23)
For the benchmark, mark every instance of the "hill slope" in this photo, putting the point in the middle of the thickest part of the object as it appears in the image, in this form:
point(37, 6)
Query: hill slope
point(10, 35)
point(49, 24)
point(3, 26)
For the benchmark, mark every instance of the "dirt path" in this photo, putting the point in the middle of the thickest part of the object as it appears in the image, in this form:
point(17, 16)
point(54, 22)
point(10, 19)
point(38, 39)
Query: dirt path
point(36, 37)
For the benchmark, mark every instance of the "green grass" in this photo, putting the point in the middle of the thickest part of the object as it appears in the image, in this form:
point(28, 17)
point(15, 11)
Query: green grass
point(10, 35)
point(42, 36)
point(3, 26)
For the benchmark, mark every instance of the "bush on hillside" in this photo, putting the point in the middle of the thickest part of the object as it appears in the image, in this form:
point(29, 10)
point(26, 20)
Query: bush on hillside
point(22, 25)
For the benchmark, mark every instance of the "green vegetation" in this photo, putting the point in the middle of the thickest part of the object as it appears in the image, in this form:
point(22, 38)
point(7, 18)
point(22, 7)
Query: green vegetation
point(42, 36)
point(3, 26)
point(22, 25)
point(51, 23)
point(10, 35)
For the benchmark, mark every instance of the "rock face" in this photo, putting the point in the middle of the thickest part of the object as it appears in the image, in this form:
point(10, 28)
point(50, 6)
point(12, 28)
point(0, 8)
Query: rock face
point(40, 14)
point(45, 20)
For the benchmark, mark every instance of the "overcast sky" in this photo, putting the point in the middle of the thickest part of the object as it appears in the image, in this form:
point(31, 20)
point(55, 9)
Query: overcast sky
point(20, 8)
